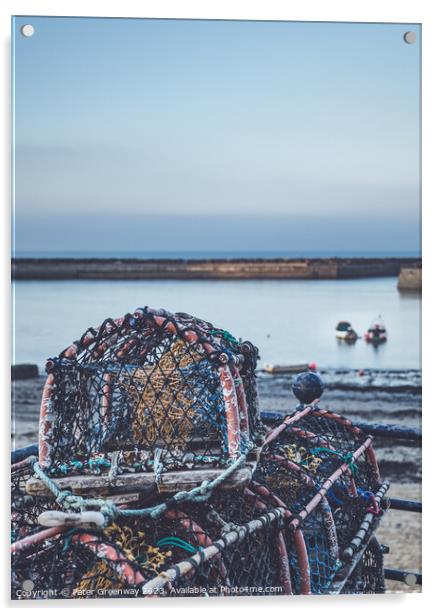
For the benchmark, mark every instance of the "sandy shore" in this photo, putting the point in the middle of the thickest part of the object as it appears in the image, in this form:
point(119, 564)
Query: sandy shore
point(400, 462)
point(401, 531)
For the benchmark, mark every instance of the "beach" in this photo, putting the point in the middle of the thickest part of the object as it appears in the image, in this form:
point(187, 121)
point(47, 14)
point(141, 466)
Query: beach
point(401, 531)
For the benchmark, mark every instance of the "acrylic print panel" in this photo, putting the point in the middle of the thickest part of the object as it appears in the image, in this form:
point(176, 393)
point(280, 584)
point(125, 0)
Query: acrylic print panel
point(217, 291)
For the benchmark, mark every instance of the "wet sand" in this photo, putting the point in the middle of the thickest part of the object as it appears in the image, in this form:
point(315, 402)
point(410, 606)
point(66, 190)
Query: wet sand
point(401, 531)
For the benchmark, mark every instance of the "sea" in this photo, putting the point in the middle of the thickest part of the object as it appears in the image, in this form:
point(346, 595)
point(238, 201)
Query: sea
point(208, 254)
point(290, 321)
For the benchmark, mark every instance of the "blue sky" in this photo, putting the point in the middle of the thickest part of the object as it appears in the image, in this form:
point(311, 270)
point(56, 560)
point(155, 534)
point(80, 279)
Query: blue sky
point(197, 135)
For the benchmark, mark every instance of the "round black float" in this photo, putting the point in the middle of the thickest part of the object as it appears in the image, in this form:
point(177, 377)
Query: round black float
point(307, 386)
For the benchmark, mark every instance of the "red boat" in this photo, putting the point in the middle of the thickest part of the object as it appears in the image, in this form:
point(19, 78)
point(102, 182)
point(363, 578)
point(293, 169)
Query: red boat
point(376, 333)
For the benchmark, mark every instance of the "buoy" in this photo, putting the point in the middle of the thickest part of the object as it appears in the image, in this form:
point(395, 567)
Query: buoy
point(313, 365)
point(307, 387)
point(60, 518)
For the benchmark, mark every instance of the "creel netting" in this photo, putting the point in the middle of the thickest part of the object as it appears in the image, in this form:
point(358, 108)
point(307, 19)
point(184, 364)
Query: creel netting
point(151, 390)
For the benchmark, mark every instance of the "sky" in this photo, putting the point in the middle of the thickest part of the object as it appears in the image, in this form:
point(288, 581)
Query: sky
point(180, 135)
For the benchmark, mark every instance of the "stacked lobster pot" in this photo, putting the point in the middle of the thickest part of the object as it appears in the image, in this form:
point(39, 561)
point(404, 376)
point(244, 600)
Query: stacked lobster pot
point(324, 470)
point(150, 392)
point(157, 477)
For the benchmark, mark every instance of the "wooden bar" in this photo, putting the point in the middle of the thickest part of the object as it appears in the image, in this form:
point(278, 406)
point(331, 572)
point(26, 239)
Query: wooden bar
point(172, 481)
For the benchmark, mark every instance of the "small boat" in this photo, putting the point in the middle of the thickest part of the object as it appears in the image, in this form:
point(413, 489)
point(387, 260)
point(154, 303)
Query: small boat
point(376, 332)
point(344, 331)
point(288, 368)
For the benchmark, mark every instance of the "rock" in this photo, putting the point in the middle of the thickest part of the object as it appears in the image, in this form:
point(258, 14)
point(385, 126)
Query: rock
point(24, 371)
point(410, 279)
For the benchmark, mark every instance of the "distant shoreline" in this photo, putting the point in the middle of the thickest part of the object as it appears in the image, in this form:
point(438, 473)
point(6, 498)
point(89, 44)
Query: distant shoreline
point(209, 269)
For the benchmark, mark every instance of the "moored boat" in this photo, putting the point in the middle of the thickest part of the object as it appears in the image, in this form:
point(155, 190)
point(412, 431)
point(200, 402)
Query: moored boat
point(376, 333)
point(344, 331)
point(288, 368)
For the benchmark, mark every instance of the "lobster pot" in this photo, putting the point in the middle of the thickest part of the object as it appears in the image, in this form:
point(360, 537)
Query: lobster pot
point(337, 457)
point(310, 533)
point(149, 392)
point(144, 555)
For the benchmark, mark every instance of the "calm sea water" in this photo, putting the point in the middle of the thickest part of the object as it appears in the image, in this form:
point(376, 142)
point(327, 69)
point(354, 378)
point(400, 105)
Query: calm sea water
point(208, 254)
point(290, 321)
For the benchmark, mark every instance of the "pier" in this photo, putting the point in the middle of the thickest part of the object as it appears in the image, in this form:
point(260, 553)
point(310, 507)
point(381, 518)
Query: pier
point(209, 269)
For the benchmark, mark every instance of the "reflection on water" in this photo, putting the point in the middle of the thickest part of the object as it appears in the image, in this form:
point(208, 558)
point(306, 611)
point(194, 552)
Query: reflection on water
point(290, 321)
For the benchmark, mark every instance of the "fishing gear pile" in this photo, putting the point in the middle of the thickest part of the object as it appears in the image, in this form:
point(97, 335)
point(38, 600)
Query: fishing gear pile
point(156, 476)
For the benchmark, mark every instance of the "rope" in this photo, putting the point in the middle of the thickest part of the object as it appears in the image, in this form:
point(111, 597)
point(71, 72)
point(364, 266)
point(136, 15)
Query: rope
point(113, 472)
point(176, 542)
point(375, 508)
point(199, 494)
point(158, 466)
point(346, 458)
point(74, 502)
point(335, 499)
point(225, 335)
